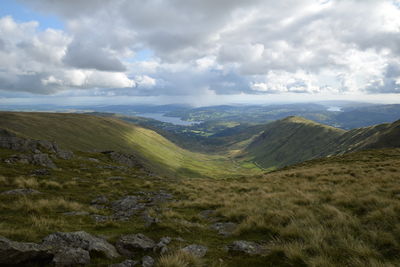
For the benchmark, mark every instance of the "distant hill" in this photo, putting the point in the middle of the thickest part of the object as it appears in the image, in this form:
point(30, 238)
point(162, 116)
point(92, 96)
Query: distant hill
point(92, 133)
point(295, 139)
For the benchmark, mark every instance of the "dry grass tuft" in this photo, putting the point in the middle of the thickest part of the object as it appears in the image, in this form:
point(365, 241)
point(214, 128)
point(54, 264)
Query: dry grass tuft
point(179, 259)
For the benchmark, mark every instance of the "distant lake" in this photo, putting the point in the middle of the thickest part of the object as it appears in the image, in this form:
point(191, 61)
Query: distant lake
point(163, 118)
point(334, 109)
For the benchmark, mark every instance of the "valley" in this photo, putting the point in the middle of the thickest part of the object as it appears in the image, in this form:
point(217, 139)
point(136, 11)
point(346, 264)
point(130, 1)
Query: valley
point(292, 192)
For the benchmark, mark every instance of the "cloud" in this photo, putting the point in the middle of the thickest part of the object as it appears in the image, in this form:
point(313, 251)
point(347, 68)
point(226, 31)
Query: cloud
point(34, 61)
point(226, 46)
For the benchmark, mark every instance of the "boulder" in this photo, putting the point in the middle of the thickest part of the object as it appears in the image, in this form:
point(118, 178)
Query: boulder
point(19, 253)
point(128, 244)
point(246, 247)
point(81, 240)
point(71, 257)
point(125, 207)
point(126, 263)
point(196, 250)
point(21, 191)
point(147, 261)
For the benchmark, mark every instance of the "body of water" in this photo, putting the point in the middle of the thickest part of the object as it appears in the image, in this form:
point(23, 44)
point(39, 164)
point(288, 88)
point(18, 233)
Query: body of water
point(334, 109)
point(163, 118)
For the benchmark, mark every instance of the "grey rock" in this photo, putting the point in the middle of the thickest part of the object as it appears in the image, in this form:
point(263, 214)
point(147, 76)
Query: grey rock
point(149, 220)
point(100, 218)
point(71, 257)
point(21, 191)
point(19, 253)
point(196, 250)
point(93, 160)
point(81, 240)
point(147, 261)
point(162, 245)
point(126, 207)
point(128, 244)
point(126, 263)
point(224, 228)
point(42, 160)
point(246, 247)
point(100, 200)
point(65, 154)
point(76, 213)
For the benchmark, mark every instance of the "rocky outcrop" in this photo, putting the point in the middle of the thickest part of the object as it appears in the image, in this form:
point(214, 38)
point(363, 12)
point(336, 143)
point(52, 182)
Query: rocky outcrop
point(40, 159)
point(246, 247)
point(39, 148)
point(127, 245)
point(125, 207)
point(19, 253)
point(81, 240)
point(196, 250)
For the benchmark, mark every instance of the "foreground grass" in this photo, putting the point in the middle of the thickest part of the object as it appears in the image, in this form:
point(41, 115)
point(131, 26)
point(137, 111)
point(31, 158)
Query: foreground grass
point(340, 211)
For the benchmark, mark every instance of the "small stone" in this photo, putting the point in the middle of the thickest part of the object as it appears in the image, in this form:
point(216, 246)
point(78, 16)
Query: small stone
point(196, 250)
point(246, 247)
point(224, 228)
point(147, 261)
point(100, 218)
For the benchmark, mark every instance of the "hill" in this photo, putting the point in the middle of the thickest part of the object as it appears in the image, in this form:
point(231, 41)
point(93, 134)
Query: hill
point(92, 133)
point(295, 139)
point(337, 211)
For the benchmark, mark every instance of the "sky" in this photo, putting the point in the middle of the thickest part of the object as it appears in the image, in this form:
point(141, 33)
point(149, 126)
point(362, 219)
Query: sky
point(198, 51)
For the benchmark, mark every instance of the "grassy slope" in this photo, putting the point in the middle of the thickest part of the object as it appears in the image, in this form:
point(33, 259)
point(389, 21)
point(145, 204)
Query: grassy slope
point(295, 139)
point(338, 211)
point(85, 132)
point(289, 141)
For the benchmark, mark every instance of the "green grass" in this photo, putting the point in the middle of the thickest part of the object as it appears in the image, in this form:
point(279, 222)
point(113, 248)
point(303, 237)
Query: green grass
point(80, 132)
point(339, 211)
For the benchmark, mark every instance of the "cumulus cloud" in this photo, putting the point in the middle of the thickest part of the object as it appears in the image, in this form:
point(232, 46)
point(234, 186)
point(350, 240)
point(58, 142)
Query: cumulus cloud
point(34, 61)
point(226, 46)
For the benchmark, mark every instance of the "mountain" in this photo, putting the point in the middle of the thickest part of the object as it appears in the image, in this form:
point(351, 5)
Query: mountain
point(83, 132)
point(295, 139)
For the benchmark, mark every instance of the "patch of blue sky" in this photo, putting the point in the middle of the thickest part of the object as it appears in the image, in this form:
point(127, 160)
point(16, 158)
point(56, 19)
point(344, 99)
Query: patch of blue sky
point(23, 13)
point(141, 55)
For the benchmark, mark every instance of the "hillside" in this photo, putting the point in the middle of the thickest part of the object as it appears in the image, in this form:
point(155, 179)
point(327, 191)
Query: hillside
point(289, 141)
point(337, 211)
point(295, 139)
point(80, 132)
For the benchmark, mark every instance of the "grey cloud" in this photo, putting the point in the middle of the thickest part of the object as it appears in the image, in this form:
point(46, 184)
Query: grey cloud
point(87, 56)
